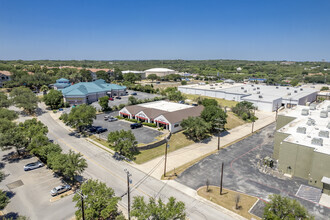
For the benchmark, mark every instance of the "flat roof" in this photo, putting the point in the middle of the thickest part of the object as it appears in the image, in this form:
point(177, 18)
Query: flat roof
point(165, 106)
point(312, 131)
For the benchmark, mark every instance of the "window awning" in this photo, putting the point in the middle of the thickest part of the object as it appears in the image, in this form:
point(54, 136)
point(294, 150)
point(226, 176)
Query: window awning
point(325, 180)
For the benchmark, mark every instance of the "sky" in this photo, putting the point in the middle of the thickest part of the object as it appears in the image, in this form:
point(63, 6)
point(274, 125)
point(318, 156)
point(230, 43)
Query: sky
point(296, 30)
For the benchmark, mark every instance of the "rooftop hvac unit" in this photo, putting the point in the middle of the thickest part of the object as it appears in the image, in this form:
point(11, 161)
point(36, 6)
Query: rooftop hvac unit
point(287, 88)
point(289, 93)
point(301, 130)
point(258, 87)
point(312, 107)
point(295, 91)
point(310, 122)
point(258, 92)
point(245, 90)
point(276, 87)
point(317, 141)
point(254, 89)
point(328, 108)
point(301, 89)
point(305, 112)
point(242, 87)
point(324, 134)
point(328, 125)
point(252, 85)
point(260, 96)
point(324, 114)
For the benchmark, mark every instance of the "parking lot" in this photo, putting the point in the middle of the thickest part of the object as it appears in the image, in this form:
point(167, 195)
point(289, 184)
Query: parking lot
point(143, 135)
point(30, 191)
point(124, 99)
point(242, 172)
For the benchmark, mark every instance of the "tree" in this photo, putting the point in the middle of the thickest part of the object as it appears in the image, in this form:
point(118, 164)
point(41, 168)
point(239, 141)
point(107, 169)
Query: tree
point(130, 77)
point(207, 102)
point(132, 100)
point(80, 116)
point(284, 208)
point(215, 116)
point(44, 89)
point(100, 201)
point(103, 101)
point(4, 101)
point(24, 98)
point(244, 110)
point(152, 77)
point(158, 210)
point(33, 127)
point(325, 88)
point(124, 143)
point(54, 99)
point(4, 199)
point(101, 74)
point(183, 82)
point(195, 128)
point(75, 165)
point(175, 96)
point(8, 114)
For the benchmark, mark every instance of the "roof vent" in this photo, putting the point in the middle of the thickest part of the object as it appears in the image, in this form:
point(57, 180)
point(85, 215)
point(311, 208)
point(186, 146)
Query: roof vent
point(328, 126)
point(324, 134)
point(305, 112)
point(324, 114)
point(258, 92)
point(252, 85)
point(301, 89)
point(301, 130)
point(310, 122)
point(295, 91)
point(289, 93)
point(242, 87)
point(260, 96)
point(287, 88)
point(317, 141)
point(254, 89)
point(276, 87)
point(258, 87)
point(312, 107)
point(245, 90)
point(328, 108)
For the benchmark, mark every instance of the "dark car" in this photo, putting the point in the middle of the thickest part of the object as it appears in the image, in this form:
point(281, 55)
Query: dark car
point(194, 104)
point(101, 130)
point(134, 93)
point(118, 97)
point(93, 129)
point(136, 125)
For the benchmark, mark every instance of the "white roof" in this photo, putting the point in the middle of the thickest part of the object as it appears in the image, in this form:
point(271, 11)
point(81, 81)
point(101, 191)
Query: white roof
point(166, 106)
point(325, 180)
point(159, 70)
point(312, 131)
point(131, 71)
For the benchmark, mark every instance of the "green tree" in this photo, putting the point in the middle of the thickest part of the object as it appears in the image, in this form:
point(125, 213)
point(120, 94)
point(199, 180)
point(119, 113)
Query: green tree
point(325, 88)
point(124, 143)
point(44, 89)
point(172, 210)
point(75, 165)
point(4, 101)
point(132, 100)
point(184, 83)
point(4, 200)
point(175, 96)
point(195, 128)
point(101, 74)
point(100, 201)
point(207, 102)
point(152, 77)
point(131, 77)
point(14, 137)
point(104, 103)
point(215, 116)
point(8, 114)
point(24, 98)
point(80, 116)
point(244, 110)
point(54, 99)
point(284, 208)
point(33, 127)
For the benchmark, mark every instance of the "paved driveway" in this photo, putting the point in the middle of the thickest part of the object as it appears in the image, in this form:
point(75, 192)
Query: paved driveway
point(30, 191)
point(241, 172)
point(143, 135)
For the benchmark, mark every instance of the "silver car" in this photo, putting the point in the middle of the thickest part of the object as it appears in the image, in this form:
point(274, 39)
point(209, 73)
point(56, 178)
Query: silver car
point(111, 118)
point(32, 166)
point(60, 189)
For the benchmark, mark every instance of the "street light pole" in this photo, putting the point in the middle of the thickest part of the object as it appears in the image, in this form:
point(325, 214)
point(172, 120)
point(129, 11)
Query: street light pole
point(128, 194)
point(166, 146)
point(221, 178)
point(254, 113)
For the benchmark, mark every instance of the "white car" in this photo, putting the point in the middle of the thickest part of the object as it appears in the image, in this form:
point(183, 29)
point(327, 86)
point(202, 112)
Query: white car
point(111, 118)
point(32, 166)
point(60, 189)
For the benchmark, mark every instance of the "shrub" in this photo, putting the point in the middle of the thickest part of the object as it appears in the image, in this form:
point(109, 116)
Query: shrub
point(114, 108)
point(121, 106)
point(149, 124)
point(132, 120)
point(119, 117)
point(183, 83)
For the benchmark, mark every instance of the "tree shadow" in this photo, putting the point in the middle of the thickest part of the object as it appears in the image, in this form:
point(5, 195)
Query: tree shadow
point(10, 215)
point(14, 157)
point(2, 165)
point(10, 194)
point(40, 111)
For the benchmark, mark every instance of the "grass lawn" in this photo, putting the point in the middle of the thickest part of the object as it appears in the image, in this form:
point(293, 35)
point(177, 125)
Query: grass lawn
point(227, 200)
point(233, 121)
point(177, 141)
point(221, 102)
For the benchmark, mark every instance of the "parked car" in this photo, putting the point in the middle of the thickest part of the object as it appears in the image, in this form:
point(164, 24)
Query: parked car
point(181, 102)
point(157, 82)
point(194, 104)
point(110, 98)
point(111, 118)
point(133, 93)
point(118, 97)
point(93, 129)
point(136, 125)
point(60, 189)
point(106, 117)
point(101, 130)
point(32, 166)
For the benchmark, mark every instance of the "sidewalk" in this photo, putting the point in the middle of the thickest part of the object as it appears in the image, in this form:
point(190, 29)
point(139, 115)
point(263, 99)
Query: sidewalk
point(184, 155)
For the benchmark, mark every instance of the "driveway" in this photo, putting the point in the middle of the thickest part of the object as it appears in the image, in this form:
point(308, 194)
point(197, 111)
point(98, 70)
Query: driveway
point(242, 173)
point(30, 191)
point(124, 99)
point(143, 135)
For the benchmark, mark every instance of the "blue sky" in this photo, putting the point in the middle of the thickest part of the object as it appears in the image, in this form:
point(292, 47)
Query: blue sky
point(169, 29)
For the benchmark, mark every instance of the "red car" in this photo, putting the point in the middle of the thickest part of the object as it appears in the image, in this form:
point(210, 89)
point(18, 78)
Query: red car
point(110, 98)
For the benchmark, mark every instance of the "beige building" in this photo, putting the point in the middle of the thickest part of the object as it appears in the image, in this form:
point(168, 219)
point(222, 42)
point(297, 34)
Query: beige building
point(302, 144)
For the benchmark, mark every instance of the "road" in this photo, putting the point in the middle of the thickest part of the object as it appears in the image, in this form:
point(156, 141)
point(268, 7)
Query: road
point(103, 167)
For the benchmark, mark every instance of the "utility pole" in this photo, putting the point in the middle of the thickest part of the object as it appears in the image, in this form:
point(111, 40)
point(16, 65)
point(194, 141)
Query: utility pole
point(254, 113)
point(82, 197)
point(166, 146)
point(128, 194)
point(220, 128)
point(276, 112)
point(221, 178)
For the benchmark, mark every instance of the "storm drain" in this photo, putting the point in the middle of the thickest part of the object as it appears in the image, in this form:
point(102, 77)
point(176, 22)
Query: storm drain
point(309, 193)
point(15, 184)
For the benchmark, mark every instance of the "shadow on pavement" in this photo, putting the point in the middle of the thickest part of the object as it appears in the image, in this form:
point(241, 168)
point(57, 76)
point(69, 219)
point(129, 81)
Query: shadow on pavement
point(13, 157)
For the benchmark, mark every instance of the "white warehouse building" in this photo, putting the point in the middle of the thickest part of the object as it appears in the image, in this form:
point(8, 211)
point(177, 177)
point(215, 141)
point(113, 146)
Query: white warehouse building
point(265, 98)
point(159, 72)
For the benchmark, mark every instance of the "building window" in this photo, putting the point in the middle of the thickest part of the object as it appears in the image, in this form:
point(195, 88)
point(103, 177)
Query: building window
point(176, 125)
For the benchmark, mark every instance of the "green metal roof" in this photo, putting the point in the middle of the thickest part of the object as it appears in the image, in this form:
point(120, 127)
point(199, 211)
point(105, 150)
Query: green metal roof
point(85, 88)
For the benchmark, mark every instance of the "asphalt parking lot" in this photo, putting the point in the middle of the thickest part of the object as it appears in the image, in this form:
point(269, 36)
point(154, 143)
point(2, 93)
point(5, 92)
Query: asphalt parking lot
point(241, 172)
point(124, 99)
point(143, 135)
point(30, 191)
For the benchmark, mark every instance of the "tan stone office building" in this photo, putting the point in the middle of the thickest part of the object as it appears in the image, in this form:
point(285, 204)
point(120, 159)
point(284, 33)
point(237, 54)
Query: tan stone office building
point(302, 144)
